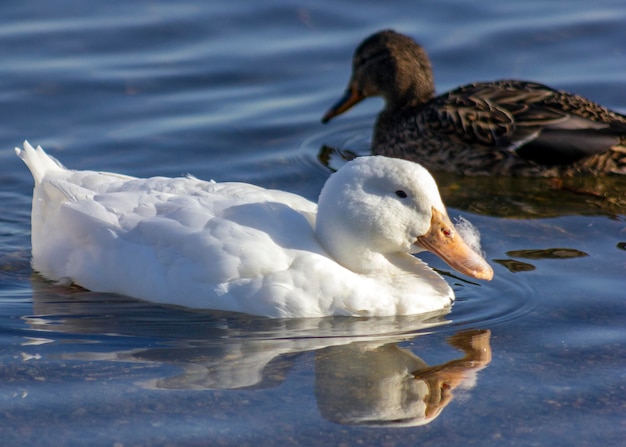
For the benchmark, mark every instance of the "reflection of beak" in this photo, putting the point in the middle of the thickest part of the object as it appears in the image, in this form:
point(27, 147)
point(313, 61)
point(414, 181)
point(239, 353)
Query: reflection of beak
point(443, 240)
point(350, 97)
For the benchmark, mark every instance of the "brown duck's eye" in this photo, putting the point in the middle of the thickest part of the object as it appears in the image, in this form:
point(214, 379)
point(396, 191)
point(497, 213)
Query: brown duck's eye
point(401, 194)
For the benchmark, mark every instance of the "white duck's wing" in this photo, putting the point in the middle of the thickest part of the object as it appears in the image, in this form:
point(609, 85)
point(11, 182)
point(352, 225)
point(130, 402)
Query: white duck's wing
point(180, 241)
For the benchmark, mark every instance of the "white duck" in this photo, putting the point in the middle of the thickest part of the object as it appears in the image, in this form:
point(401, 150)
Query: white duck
point(238, 247)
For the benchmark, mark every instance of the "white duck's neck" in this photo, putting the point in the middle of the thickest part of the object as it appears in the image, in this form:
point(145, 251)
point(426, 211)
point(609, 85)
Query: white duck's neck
point(349, 251)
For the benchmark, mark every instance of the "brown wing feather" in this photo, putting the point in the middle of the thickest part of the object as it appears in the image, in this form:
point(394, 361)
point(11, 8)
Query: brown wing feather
point(541, 124)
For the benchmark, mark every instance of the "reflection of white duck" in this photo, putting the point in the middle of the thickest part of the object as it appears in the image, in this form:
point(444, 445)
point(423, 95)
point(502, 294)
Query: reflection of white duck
point(213, 350)
point(370, 384)
point(238, 247)
point(362, 376)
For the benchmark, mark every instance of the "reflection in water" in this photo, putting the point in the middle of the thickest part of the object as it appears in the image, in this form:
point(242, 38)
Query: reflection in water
point(333, 158)
point(369, 384)
point(546, 253)
point(362, 376)
point(515, 266)
point(514, 197)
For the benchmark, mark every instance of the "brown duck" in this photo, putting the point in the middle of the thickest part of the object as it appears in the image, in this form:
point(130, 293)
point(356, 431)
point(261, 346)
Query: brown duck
point(505, 127)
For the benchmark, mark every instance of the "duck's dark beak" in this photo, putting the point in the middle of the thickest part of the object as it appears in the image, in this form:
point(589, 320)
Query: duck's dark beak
point(443, 240)
point(351, 97)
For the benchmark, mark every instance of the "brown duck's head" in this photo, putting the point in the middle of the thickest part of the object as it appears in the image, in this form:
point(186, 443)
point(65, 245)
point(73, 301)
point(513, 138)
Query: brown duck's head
point(391, 65)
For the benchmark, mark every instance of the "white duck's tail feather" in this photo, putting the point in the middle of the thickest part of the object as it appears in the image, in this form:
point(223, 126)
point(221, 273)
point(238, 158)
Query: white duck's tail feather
point(37, 161)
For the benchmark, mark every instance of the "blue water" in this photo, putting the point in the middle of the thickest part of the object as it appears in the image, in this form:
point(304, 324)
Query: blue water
point(235, 91)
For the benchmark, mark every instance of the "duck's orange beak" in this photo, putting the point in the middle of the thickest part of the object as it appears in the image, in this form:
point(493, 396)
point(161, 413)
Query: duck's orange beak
point(350, 97)
point(443, 240)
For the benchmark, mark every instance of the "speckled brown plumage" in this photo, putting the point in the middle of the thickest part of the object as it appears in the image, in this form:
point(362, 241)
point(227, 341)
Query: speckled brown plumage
point(506, 127)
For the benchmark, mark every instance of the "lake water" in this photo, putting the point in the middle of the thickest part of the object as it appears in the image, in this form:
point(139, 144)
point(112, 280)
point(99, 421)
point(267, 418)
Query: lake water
point(235, 91)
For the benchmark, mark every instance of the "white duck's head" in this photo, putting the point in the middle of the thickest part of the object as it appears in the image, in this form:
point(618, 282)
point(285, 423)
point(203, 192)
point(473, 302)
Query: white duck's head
point(376, 207)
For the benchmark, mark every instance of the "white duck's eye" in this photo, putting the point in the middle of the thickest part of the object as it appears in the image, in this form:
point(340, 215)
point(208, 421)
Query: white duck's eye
point(401, 194)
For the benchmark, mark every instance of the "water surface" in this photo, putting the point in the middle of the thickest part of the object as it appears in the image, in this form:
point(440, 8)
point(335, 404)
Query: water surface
point(235, 92)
